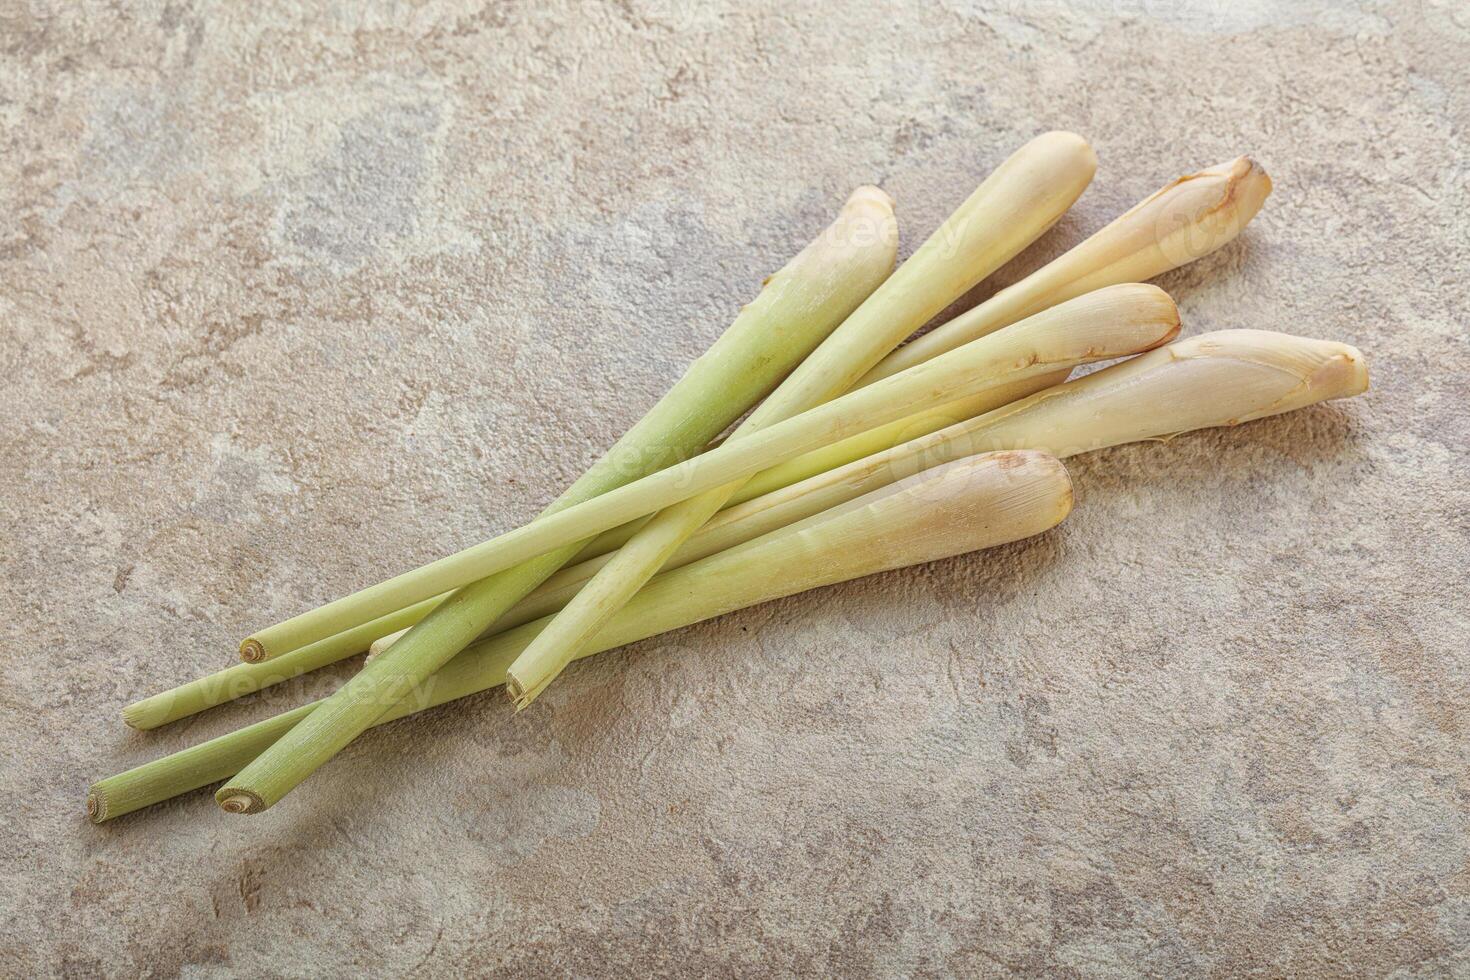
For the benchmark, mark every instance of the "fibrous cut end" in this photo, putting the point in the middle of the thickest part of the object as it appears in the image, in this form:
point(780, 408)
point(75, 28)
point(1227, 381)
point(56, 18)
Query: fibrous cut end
point(233, 800)
point(251, 650)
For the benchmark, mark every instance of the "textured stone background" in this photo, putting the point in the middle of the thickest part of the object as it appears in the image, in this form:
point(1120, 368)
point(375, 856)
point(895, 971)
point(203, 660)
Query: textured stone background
point(295, 296)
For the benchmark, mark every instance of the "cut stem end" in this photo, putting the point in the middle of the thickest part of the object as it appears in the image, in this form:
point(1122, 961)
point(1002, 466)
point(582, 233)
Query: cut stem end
point(241, 801)
point(251, 651)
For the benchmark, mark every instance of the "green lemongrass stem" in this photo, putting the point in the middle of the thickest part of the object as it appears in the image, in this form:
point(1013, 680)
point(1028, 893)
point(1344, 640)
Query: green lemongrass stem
point(241, 679)
point(1009, 210)
point(733, 525)
point(1187, 220)
point(796, 309)
point(945, 511)
point(1042, 178)
point(1215, 379)
point(1101, 326)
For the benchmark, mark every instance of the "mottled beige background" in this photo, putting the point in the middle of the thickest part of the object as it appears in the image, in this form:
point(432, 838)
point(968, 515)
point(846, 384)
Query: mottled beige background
point(295, 296)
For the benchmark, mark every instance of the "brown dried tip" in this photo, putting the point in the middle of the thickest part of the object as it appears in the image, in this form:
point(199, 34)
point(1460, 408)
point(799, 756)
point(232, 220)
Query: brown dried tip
point(96, 808)
point(1249, 186)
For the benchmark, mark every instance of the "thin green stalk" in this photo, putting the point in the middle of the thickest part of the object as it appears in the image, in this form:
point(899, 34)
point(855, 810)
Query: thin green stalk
point(731, 526)
point(798, 307)
point(1024, 197)
point(247, 678)
point(945, 511)
point(1188, 219)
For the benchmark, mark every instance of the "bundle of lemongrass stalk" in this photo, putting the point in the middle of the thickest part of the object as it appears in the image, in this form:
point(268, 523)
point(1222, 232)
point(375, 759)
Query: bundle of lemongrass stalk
point(856, 456)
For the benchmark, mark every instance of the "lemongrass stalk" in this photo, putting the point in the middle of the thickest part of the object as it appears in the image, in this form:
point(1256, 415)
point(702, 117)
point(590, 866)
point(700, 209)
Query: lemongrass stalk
point(733, 525)
point(1188, 219)
point(1107, 324)
point(1009, 210)
point(796, 309)
point(1215, 379)
point(1100, 326)
point(1184, 221)
point(967, 505)
point(241, 679)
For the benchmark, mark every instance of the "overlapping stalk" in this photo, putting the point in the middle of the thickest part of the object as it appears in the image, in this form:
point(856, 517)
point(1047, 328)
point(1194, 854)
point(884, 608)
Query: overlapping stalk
point(732, 526)
point(796, 309)
point(1217, 379)
point(1025, 196)
point(970, 504)
point(245, 678)
point(1101, 326)
point(1187, 220)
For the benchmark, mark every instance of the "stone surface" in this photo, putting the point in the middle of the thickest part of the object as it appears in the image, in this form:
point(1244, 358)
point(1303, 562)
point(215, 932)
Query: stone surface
point(295, 296)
